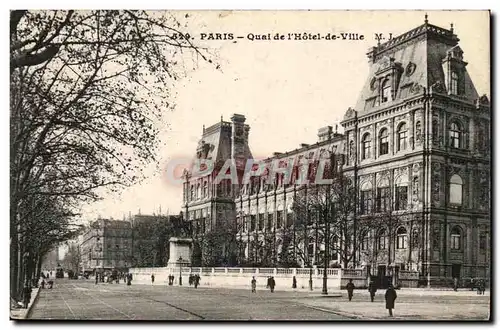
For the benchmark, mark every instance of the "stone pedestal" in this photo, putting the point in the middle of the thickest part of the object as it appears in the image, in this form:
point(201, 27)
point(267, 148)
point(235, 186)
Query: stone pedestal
point(180, 252)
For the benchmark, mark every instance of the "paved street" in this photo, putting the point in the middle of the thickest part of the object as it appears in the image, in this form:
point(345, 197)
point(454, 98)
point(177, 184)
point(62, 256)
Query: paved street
point(82, 299)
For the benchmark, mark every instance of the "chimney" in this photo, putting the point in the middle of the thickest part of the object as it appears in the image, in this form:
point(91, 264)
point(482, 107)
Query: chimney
point(325, 133)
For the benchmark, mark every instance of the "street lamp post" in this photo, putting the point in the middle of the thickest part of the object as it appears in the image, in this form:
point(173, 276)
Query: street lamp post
point(180, 271)
point(310, 279)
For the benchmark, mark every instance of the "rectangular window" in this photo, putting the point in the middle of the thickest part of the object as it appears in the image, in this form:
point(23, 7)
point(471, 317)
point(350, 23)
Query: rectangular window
point(252, 222)
point(366, 149)
point(482, 242)
point(401, 241)
point(455, 242)
point(279, 220)
point(455, 139)
point(402, 141)
point(401, 198)
point(366, 202)
point(384, 145)
point(261, 221)
point(269, 221)
point(383, 199)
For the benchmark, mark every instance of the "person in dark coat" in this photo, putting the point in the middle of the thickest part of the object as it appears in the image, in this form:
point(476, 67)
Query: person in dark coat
point(254, 284)
point(196, 281)
point(372, 288)
point(272, 283)
point(27, 295)
point(482, 287)
point(152, 278)
point(294, 283)
point(96, 278)
point(268, 282)
point(51, 284)
point(350, 289)
point(390, 298)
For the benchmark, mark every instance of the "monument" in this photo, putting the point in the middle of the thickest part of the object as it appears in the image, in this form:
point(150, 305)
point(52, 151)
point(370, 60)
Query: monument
point(181, 250)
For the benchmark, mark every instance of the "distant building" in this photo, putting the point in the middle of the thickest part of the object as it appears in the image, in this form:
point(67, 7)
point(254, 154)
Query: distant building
point(107, 244)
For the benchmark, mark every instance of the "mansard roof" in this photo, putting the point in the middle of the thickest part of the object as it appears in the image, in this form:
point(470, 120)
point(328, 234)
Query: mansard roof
point(416, 59)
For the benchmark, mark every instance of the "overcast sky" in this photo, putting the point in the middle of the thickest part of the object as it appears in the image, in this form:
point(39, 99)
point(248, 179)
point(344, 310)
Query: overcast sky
point(286, 89)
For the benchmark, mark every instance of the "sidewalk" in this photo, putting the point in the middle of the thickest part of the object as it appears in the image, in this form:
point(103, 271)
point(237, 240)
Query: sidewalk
point(22, 313)
point(461, 306)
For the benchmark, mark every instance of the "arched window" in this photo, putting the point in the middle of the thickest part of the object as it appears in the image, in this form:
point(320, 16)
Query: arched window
point(402, 137)
point(205, 189)
point(383, 142)
point(454, 83)
point(385, 91)
point(192, 192)
point(198, 190)
point(381, 240)
point(383, 195)
point(366, 198)
point(402, 238)
point(456, 187)
point(367, 143)
point(456, 238)
point(401, 193)
point(455, 135)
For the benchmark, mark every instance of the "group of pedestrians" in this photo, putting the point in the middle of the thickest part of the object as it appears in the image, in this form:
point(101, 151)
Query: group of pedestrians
point(194, 279)
point(390, 294)
point(271, 284)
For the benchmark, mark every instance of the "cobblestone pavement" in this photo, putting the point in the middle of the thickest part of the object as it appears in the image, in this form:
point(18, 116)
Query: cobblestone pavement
point(83, 300)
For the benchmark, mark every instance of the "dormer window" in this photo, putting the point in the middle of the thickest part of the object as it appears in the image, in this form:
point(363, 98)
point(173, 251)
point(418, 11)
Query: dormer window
point(454, 83)
point(385, 91)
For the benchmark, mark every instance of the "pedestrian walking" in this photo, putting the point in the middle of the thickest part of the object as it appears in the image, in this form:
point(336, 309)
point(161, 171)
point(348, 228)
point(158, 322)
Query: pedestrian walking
point(152, 278)
point(372, 288)
point(272, 283)
point(294, 283)
point(27, 295)
point(254, 284)
point(350, 289)
point(196, 281)
point(96, 278)
point(482, 287)
point(268, 282)
point(455, 284)
point(390, 298)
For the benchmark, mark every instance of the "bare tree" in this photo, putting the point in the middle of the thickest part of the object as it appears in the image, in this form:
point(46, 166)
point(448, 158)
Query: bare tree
point(87, 92)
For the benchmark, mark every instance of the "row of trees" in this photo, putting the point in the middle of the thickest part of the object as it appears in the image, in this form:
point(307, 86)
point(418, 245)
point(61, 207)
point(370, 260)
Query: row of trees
point(87, 89)
point(327, 216)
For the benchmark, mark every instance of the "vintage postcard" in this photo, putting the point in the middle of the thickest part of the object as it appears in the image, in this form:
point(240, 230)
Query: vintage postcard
point(250, 165)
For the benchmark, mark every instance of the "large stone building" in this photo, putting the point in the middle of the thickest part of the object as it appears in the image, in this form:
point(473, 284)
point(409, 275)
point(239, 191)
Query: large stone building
point(106, 245)
point(416, 146)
